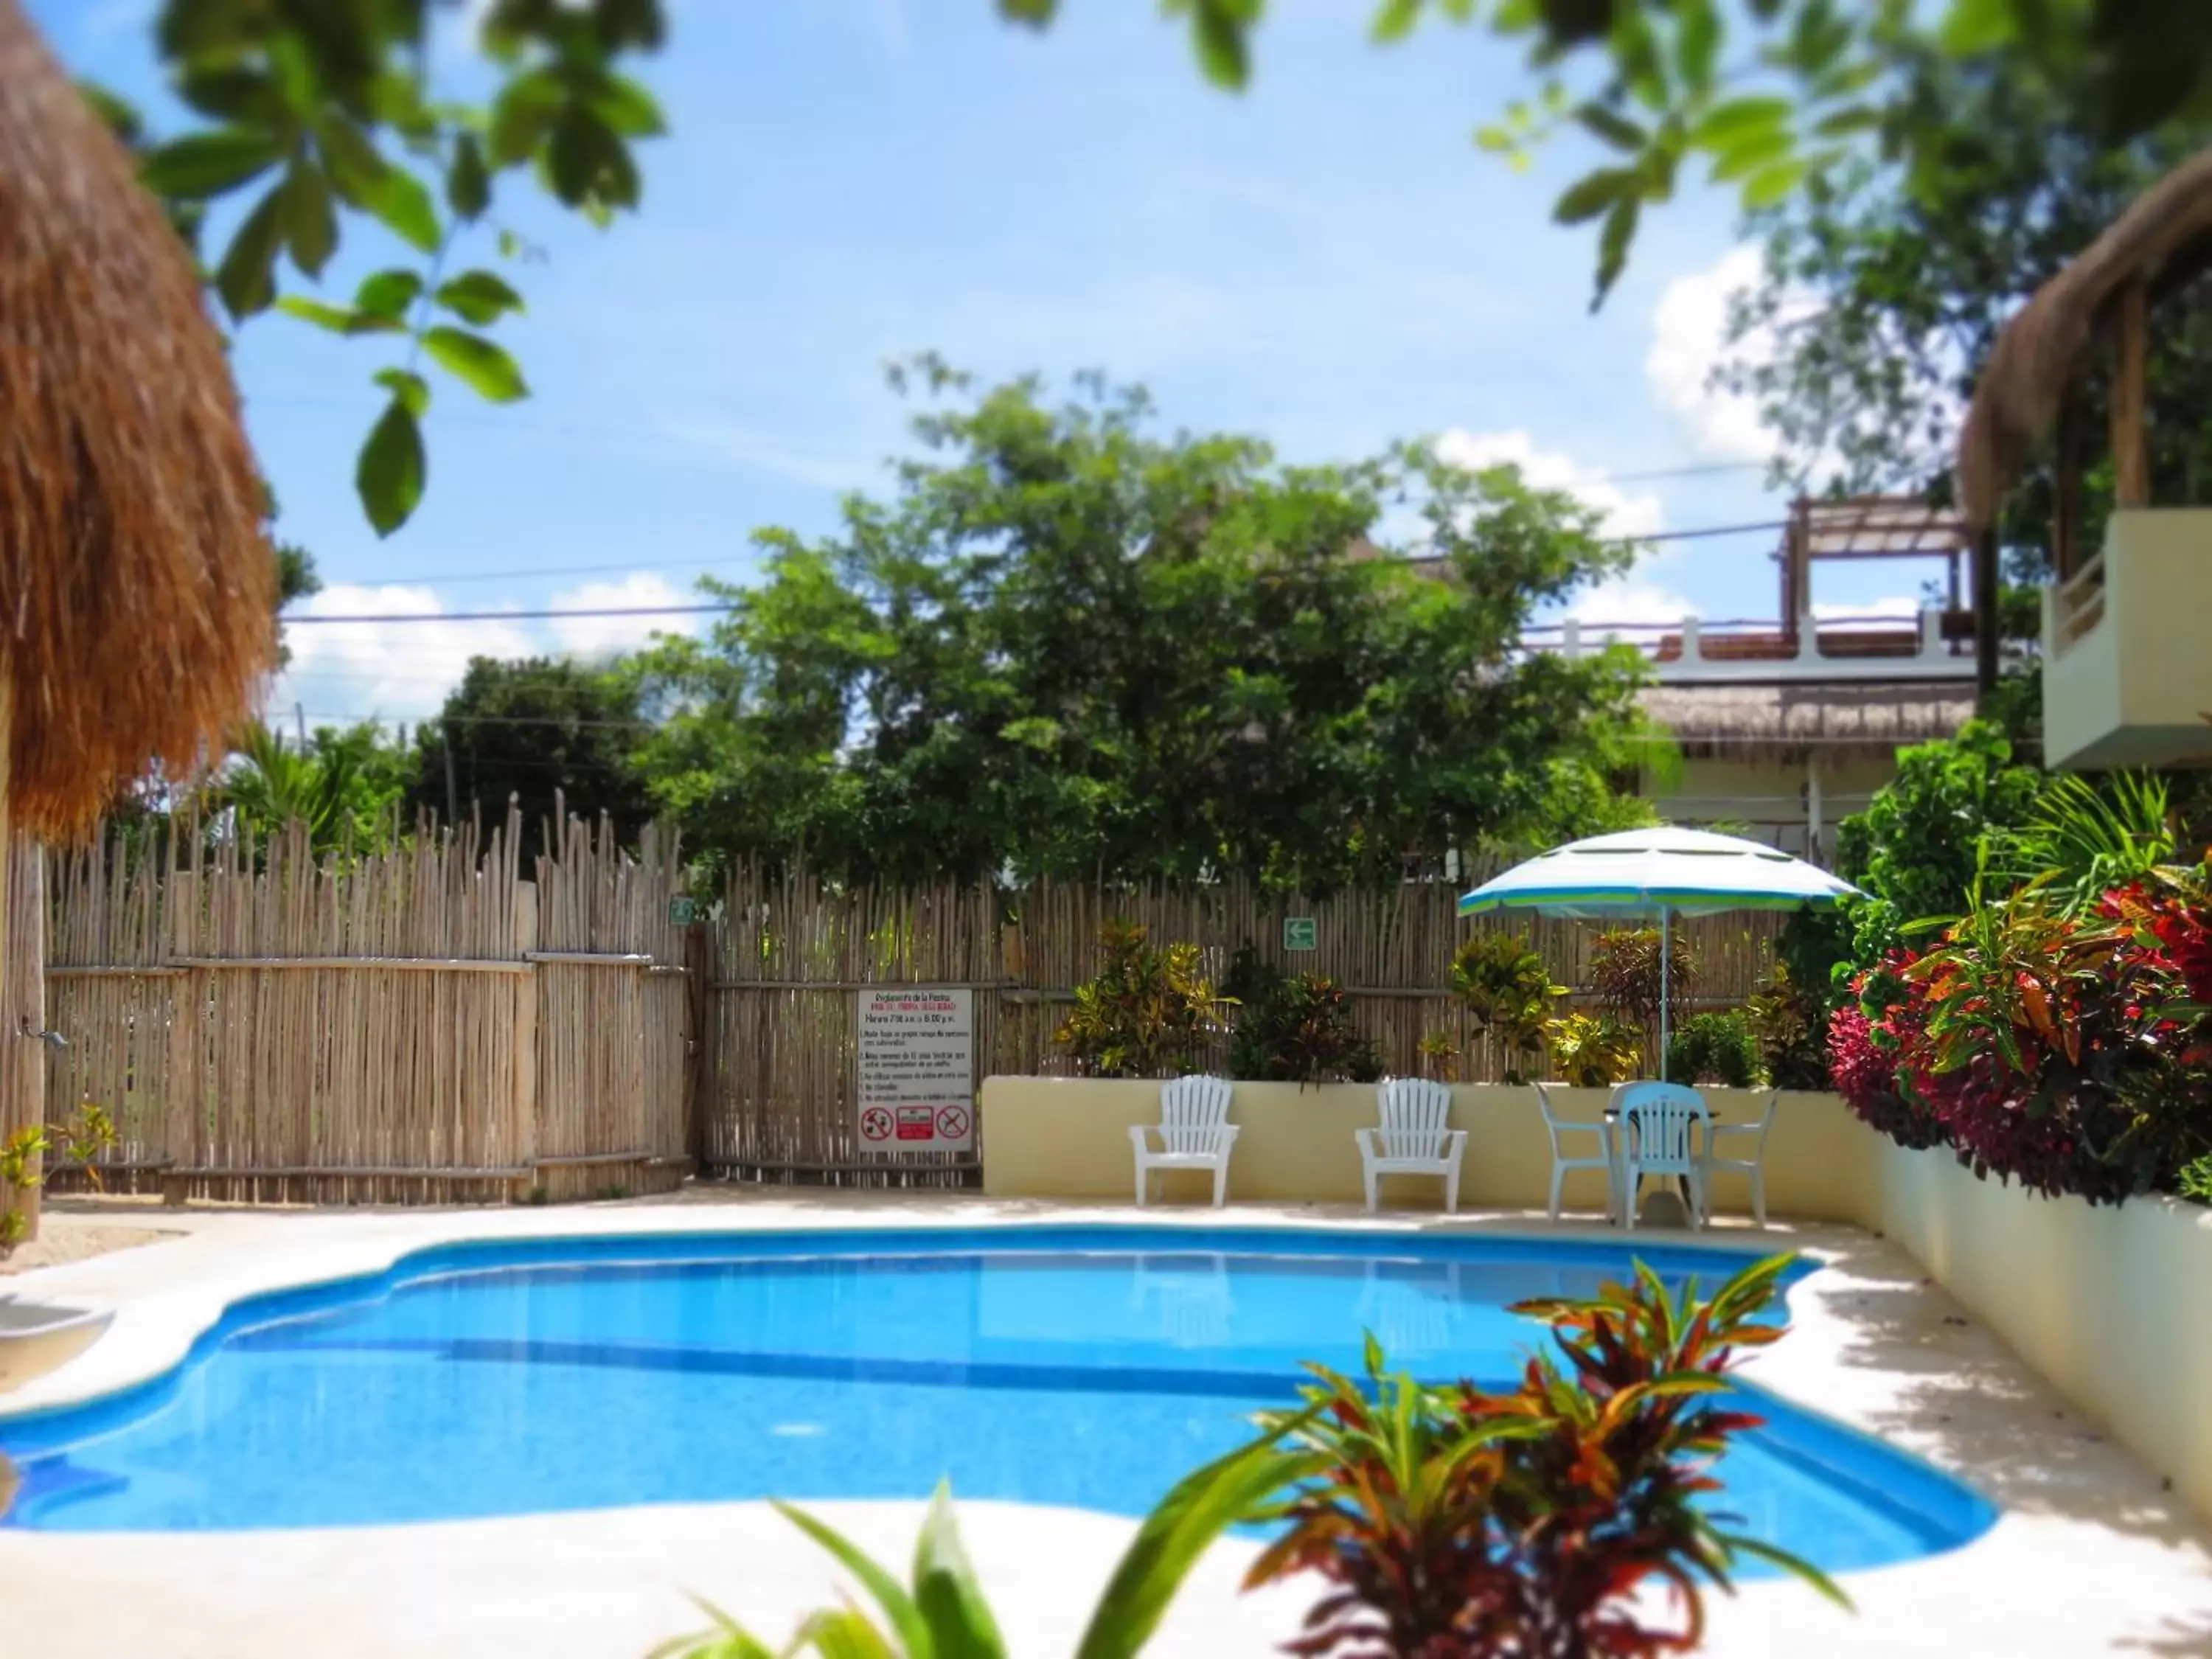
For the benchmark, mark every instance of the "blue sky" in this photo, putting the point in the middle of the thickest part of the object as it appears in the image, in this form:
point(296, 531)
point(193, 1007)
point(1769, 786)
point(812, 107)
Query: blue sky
point(1325, 261)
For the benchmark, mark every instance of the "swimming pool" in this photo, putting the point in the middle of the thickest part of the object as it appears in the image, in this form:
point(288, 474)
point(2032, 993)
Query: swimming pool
point(1089, 1366)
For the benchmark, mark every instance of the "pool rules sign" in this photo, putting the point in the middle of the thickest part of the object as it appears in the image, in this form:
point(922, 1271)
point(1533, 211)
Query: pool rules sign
point(917, 1070)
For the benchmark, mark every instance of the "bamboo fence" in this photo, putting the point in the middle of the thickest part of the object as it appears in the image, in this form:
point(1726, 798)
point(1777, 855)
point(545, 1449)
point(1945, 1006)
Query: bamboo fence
point(416, 1025)
point(778, 1091)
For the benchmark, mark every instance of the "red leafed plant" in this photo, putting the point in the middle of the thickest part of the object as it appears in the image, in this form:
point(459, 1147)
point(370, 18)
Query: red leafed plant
point(1462, 1523)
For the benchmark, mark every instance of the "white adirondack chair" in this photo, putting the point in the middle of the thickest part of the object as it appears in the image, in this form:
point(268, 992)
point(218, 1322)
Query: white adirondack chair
point(1413, 1138)
point(1555, 1127)
point(1664, 1132)
point(1755, 1166)
point(1194, 1133)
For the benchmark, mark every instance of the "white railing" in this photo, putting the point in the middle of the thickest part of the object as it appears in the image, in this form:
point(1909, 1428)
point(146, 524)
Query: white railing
point(1832, 648)
point(2078, 605)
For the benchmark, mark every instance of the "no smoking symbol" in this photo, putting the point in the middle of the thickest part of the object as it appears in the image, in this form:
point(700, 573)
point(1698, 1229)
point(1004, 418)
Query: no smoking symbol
point(875, 1124)
point(951, 1123)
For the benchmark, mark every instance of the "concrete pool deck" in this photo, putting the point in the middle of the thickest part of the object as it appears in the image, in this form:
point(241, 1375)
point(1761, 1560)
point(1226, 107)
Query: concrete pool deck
point(2093, 1556)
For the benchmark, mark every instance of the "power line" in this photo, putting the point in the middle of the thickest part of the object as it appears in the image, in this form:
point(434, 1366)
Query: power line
point(594, 613)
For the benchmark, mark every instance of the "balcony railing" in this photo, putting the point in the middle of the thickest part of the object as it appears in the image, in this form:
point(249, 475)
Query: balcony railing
point(1840, 648)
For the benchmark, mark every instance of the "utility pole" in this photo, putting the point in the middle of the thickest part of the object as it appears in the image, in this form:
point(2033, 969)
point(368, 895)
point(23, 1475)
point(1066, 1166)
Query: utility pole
point(452, 794)
point(300, 719)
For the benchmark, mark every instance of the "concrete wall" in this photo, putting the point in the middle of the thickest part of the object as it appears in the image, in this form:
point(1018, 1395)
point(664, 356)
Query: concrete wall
point(2113, 1306)
point(1069, 1138)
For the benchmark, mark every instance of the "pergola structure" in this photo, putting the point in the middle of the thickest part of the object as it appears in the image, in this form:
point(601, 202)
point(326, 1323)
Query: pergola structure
point(1864, 527)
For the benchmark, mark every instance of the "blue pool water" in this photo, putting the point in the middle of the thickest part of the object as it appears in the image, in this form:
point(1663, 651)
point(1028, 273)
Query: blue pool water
point(1084, 1366)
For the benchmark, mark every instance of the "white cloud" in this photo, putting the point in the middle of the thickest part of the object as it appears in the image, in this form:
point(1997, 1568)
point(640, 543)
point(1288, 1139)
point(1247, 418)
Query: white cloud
point(595, 637)
point(1689, 336)
point(1890, 608)
point(1626, 513)
point(1632, 599)
point(393, 671)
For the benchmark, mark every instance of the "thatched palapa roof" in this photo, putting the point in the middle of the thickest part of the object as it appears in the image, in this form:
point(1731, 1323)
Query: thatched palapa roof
point(136, 590)
point(1790, 722)
point(2164, 237)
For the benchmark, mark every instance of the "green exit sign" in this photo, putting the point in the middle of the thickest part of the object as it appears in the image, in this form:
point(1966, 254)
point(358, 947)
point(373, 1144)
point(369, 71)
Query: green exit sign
point(1301, 934)
point(683, 910)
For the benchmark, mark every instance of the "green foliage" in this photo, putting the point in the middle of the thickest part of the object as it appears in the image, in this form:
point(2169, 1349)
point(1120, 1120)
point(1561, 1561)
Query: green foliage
point(941, 1612)
point(2087, 837)
point(1296, 1028)
point(1070, 645)
point(2194, 1183)
point(1916, 849)
point(1593, 1051)
point(541, 731)
point(1439, 1056)
point(1148, 1012)
point(1508, 990)
point(77, 1141)
point(1624, 972)
point(1715, 1048)
point(1466, 1521)
point(346, 787)
point(324, 114)
point(1789, 1021)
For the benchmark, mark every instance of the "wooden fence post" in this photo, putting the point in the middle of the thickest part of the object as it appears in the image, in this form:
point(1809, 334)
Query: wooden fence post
point(524, 1104)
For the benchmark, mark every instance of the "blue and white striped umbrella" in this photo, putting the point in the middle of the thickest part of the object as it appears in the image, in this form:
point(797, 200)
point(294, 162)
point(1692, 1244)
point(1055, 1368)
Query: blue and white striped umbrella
point(1663, 872)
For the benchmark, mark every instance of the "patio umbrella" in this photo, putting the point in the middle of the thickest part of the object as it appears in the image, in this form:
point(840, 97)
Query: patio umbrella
point(1663, 872)
point(137, 588)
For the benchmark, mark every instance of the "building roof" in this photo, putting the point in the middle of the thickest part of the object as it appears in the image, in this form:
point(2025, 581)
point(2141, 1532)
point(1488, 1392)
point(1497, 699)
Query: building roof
point(1790, 722)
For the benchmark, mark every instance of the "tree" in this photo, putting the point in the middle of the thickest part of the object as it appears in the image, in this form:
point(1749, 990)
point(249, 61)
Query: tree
point(1878, 303)
point(325, 109)
point(1775, 96)
point(1072, 646)
point(345, 785)
point(537, 731)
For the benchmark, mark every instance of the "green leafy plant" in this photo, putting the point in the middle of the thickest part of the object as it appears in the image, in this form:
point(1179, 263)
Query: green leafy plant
point(2085, 837)
point(1296, 1028)
point(1439, 1053)
point(2195, 1180)
point(324, 115)
point(1714, 1048)
point(1624, 972)
point(78, 1141)
point(1458, 1521)
point(1592, 1051)
point(1789, 1024)
point(941, 1613)
point(1149, 1012)
point(1508, 990)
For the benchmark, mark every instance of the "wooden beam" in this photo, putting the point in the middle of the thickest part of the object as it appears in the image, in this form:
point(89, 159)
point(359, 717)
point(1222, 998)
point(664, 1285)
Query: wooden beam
point(1986, 640)
point(2130, 401)
point(2066, 492)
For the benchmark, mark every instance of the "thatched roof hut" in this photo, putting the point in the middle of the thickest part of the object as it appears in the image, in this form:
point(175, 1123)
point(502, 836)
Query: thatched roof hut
point(2161, 241)
point(136, 589)
point(1790, 723)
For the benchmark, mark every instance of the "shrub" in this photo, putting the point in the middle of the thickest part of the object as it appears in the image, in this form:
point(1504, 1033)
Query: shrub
point(1714, 1048)
point(1789, 1022)
point(1147, 1013)
point(1625, 976)
point(1298, 1029)
point(1439, 1053)
point(1865, 1071)
point(77, 1142)
point(1455, 1522)
point(1592, 1051)
point(1509, 991)
point(2194, 1183)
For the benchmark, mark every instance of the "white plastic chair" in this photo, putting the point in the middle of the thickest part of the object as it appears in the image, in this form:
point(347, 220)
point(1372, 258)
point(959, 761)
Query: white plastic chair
point(1755, 1166)
point(1194, 1133)
point(1561, 1164)
point(1662, 1132)
point(1414, 1137)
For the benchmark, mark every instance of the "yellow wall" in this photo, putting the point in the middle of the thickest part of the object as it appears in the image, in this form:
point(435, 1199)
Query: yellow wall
point(2113, 1306)
point(1069, 1138)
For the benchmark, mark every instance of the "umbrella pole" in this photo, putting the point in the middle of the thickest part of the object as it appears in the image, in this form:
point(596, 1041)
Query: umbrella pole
point(1666, 954)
